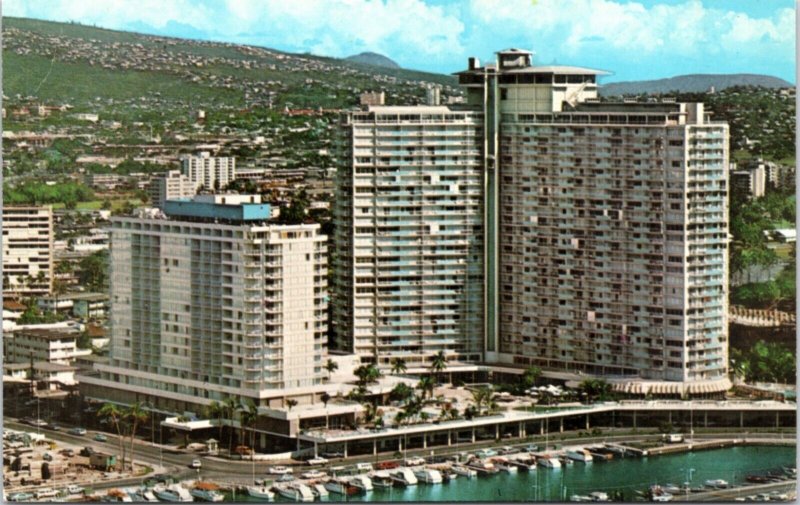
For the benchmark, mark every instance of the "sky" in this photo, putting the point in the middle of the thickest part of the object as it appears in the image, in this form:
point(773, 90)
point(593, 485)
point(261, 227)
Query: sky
point(632, 39)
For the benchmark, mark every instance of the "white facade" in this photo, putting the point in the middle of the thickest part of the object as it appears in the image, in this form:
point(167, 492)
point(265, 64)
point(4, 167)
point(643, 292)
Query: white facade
point(51, 346)
point(169, 186)
point(209, 309)
point(209, 172)
point(27, 250)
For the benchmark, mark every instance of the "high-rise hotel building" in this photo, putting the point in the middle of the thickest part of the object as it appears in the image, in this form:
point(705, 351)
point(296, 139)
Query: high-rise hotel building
point(601, 227)
point(27, 251)
point(208, 300)
point(408, 272)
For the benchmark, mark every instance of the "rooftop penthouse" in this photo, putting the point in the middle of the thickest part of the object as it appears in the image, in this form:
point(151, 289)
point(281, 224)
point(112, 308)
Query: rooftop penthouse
point(230, 208)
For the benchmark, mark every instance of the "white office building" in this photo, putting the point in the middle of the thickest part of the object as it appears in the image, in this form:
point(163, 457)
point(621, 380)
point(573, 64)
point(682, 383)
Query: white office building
point(170, 185)
point(27, 251)
point(209, 300)
point(209, 172)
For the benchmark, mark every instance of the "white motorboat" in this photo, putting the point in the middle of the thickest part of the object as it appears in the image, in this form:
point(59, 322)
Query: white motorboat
point(362, 482)
point(259, 491)
point(525, 463)
point(464, 471)
point(149, 496)
point(279, 470)
point(381, 478)
point(319, 490)
point(599, 496)
point(295, 492)
point(718, 483)
point(482, 466)
point(580, 498)
point(662, 497)
point(580, 454)
point(549, 462)
point(428, 475)
point(74, 489)
point(341, 486)
point(205, 491)
point(172, 493)
point(503, 465)
point(404, 476)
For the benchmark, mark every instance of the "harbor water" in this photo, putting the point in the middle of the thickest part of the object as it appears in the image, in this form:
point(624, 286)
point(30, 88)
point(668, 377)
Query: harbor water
point(622, 474)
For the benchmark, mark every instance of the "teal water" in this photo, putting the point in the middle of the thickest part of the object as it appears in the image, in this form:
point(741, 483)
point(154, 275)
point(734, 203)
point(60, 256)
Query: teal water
point(628, 475)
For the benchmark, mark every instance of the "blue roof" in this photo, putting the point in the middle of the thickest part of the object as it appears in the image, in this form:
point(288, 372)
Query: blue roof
point(208, 210)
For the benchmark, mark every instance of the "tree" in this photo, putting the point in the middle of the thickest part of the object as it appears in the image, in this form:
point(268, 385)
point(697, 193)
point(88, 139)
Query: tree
point(367, 374)
point(481, 396)
point(135, 414)
point(595, 389)
point(295, 213)
point(248, 415)
point(325, 399)
point(112, 413)
point(439, 364)
point(401, 393)
point(230, 405)
point(531, 375)
point(291, 402)
point(426, 384)
point(216, 410)
point(94, 271)
point(331, 366)
point(399, 366)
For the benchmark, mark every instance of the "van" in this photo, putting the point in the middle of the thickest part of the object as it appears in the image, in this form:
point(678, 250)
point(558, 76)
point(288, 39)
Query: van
point(675, 438)
point(364, 467)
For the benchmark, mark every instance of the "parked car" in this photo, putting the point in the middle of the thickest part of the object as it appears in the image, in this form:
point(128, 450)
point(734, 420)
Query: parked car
point(387, 465)
point(196, 463)
point(101, 438)
point(279, 470)
point(415, 461)
point(67, 452)
point(486, 453)
point(47, 457)
point(332, 455)
point(77, 431)
point(317, 461)
point(86, 451)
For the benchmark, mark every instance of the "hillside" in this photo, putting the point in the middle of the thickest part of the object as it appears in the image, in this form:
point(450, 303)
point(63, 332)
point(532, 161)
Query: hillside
point(693, 83)
point(77, 64)
point(374, 59)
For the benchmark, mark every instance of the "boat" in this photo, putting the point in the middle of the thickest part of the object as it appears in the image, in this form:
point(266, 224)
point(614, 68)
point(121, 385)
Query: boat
point(319, 490)
point(580, 498)
point(149, 496)
point(295, 492)
point(482, 466)
point(341, 486)
point(599, 496)
point(404, 476)
point(464, 471)
point(549, 462)
point(662, 497)
point(362, 482)
point(523, 463)
point(580, 454)
point(428, 476)
point(671, 489)
point(206, 491)
point(279, 470)
point(20, 496)
point(503, 465)
point(173, 493)
point(117, 496)
point(381, 479)
point(716, 483)
point(259, 491)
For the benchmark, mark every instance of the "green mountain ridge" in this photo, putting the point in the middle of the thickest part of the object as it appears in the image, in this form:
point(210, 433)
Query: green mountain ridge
point(374, 59)
point(692, 83)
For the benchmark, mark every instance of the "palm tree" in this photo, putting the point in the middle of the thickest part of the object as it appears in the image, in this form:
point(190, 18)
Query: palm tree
point(325, 399)
point(291, 402)
point(426, 385)
point(595, 389)
point(481, 396)
point(216, 410)
point(135, 414)
point(111, 412)
point(401, 392)
point(367, 374)
point(331, 366)
point(439, 364)
point(230, 405)
point(247, 418)
point(532, 373)
point(399, 366)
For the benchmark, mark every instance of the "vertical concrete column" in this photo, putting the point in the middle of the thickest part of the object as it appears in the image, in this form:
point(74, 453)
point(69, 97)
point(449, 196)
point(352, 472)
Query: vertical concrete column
point(561, 425)
point(521, 429)
point(705, 419)
point(473, 435)
point(424, 440)
point(777, 419)
point(449, 437)
point(375, 447)
point(541, 427)
point(587, 421)
point(497, 431)
point(345, 449)
point(634, 419)
point(741, 419)
point(400, 444)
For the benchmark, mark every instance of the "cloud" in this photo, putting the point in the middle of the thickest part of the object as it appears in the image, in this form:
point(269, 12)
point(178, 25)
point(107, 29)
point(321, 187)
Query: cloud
point(687, 28)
